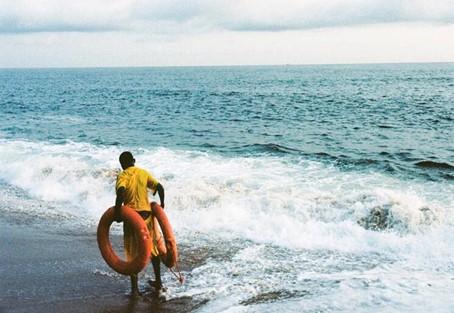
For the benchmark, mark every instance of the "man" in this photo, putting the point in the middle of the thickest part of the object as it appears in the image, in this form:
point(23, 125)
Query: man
point(131, 188)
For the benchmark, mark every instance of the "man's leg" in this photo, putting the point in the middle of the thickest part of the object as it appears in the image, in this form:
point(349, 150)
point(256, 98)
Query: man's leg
point(134, 285)
point(130, 244)
point(156, 261)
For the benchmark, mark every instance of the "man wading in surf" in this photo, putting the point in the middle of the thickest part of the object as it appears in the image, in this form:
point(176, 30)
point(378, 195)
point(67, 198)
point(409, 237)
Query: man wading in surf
point(131, 188)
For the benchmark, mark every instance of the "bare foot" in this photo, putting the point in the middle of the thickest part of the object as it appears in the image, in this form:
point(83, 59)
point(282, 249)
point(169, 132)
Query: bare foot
point(135, 294)
point(159, 289)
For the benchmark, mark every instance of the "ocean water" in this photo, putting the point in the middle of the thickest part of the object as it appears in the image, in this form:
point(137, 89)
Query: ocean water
point(299, 188)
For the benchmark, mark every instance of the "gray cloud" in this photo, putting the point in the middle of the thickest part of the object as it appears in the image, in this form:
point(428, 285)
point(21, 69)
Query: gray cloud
point(273, 15)
point(158, 16)
point(15, 27)
point(28, 16)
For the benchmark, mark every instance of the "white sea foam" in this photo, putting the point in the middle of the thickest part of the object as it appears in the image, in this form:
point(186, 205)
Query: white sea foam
point(108, 274)
point(265, 199)
point(75, 175)
point(299, 207)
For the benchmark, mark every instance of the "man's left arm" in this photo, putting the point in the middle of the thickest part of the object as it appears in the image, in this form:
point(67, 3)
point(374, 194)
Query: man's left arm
point(160, 190)
point(156, 186)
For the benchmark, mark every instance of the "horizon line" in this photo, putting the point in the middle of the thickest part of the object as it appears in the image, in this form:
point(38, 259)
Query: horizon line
point(221, 65)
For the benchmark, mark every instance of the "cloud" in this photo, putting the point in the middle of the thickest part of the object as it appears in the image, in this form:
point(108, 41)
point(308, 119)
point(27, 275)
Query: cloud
point(369, 44)
point(18, 16)
point(176, 16)
point(274, 15)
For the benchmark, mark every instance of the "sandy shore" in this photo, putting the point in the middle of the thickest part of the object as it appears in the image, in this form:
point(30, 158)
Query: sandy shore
point(48, 271)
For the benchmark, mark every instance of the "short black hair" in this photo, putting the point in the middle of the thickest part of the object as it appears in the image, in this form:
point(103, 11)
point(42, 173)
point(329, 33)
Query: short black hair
point(126, 159)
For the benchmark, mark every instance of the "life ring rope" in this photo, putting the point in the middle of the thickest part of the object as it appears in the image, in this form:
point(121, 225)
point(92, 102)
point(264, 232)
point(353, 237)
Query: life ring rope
point(180, 276)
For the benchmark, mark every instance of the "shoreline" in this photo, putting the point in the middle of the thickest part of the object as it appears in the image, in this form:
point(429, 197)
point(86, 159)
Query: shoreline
point(42, 272)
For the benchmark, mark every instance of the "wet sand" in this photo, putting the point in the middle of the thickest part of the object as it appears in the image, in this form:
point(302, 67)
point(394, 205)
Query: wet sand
point(48, 271)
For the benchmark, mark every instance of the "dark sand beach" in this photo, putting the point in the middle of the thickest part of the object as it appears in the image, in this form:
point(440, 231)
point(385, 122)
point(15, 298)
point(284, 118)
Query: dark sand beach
point(45, 271)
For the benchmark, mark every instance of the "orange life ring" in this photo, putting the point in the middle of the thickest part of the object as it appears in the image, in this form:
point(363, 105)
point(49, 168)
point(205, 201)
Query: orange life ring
point(135, 220)
point(167, 246)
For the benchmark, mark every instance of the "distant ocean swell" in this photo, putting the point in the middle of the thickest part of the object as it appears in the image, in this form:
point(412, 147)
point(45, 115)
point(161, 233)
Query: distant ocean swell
point(399, 162)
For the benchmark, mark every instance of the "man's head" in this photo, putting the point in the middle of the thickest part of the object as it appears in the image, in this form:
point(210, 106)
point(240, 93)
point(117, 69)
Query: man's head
point(126, 159)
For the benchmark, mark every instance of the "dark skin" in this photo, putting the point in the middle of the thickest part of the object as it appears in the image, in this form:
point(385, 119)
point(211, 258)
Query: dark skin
point(154, 260)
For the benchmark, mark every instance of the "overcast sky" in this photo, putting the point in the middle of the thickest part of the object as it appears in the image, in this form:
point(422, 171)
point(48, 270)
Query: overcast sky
point(49, 33)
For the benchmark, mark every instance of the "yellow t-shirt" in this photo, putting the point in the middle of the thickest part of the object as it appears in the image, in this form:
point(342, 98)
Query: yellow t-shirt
point(136, 180)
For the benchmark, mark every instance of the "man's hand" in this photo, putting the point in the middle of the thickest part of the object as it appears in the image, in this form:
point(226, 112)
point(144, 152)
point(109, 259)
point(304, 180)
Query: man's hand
point(118, 203)
point(117, 215)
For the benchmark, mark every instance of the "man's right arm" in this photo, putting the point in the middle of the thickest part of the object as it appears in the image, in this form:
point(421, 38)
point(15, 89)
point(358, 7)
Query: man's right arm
point(118, 203)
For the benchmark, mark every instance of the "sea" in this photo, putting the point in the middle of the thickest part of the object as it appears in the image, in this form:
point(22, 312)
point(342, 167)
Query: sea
point(312, 188)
